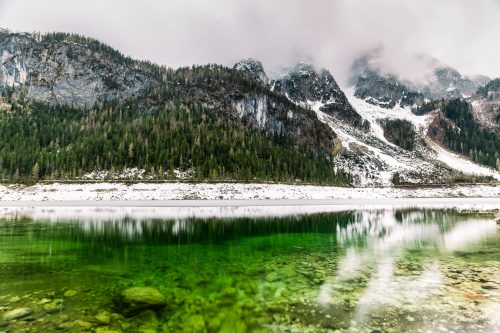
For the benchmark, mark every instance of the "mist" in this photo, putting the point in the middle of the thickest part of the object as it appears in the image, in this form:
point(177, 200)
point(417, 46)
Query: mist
point(460, 33)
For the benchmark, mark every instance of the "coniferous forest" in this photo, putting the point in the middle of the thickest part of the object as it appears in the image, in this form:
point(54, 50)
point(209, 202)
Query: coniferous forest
point(460, 132)
point(400, 132)
point(42, 142)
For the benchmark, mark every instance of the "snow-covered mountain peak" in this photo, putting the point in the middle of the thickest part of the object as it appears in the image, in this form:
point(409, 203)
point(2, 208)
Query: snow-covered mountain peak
point(428, 76)
point(253, 69)
point(305, 85)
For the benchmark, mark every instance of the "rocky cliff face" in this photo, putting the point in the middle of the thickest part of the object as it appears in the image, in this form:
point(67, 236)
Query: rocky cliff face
point(305, 85)
point(486, 106)
point(385, 90)
point(436, 81)
point(276, 118)
point(74, 71)
point(252, 69)
point(446, 82)
point(253, 104)
point(64, 72)
point(378, 88)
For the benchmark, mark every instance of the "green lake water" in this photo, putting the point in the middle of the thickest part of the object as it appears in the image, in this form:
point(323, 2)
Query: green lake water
point(358, 271)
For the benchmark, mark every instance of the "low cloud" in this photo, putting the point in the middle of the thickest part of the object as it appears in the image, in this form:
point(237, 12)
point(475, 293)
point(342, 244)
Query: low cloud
point(461, 33)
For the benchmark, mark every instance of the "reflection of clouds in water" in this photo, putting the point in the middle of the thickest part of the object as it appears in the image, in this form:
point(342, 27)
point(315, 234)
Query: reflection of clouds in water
point(383, 231)
point(387, 289)
point(351, 264)
point(325, 290)
point(491, 311)
point(373, 233)
point(466, 233)
point(376, 240)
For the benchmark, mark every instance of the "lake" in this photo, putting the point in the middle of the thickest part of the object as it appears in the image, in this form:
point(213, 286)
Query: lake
point(264, 270)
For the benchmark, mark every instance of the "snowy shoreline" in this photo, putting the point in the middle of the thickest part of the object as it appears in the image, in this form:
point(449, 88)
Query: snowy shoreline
point(106, 191)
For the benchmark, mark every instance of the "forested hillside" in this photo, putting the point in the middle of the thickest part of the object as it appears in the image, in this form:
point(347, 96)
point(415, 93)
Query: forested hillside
point(73, 105)
point(456, 128)
point(73, 108)
point(400, 132)
point(38, 141)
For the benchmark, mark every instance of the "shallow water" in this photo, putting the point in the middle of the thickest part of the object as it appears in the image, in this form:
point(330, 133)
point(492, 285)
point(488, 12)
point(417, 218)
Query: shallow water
point(358, 271)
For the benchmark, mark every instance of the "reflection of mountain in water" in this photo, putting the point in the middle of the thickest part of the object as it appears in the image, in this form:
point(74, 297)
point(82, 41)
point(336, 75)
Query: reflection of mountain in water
point(366, 231)
point(388, 231)
point(377, 242)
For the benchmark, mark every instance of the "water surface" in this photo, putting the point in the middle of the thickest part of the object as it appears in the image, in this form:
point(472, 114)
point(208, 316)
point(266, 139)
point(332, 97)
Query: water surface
point(387, 270)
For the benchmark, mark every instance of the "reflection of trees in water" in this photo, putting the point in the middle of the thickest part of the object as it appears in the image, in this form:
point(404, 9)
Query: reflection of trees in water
point(130, 230)
point(376, 229)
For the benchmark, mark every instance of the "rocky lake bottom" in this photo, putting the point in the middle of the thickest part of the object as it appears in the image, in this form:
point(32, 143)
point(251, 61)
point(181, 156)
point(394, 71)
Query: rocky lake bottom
point(410, 270)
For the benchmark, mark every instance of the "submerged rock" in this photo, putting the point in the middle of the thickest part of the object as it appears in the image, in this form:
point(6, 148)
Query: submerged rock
point(54, 306)
point(17, 313)
point(83, 324)
point(489, 286)
point(14, 299)
point(44, 301)
point(66, 326)
point(103, 318)
point(105, 330)
point(146, 321)
point(70, 293)
point(195, 324)
point(142, 298)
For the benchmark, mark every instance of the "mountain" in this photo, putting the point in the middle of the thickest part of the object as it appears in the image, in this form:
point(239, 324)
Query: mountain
point(446, 82)
point(486, 105)
point(304, 85)
point(392, 146)
point(67, 69)
point(252, 69)
point(385, 90)
point(74, 108)
point(435, 81)
point(382, 89)
point(402, 112)
point(247, 130)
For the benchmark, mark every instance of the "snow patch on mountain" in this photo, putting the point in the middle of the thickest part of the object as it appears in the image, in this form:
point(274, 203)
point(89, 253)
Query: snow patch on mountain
point(373, 160)
point(373, 114)
point(252, 69)
point(486, 111)
point(460, 163)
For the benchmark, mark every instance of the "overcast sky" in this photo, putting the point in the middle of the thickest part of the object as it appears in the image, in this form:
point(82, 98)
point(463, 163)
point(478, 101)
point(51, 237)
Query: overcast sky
point(462, 33)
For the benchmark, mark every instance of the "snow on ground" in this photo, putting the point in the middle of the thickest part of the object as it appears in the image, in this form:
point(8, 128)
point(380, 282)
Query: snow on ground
point(429, 161)
point(370, 158)
point(349, 140)
point(461, 164)
point(374, 113)
point(134, 174)
point(226, 191)
point(485, 111)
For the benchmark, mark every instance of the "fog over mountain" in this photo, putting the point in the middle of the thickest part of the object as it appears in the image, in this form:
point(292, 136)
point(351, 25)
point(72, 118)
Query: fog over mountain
point(460, 33)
